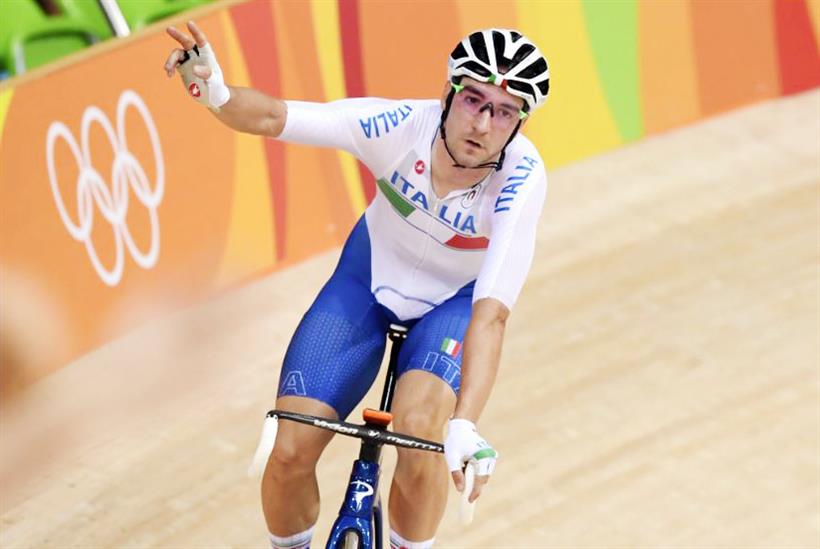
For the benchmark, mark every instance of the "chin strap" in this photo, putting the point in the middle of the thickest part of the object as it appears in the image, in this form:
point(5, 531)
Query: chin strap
point(496, 165)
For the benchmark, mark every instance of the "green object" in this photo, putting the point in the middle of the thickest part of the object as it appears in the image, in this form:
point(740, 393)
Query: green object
point(29, 38)
point(613, 34)
point(402, 206)
point(141, 13)
point(485, 453)
point(87, 12)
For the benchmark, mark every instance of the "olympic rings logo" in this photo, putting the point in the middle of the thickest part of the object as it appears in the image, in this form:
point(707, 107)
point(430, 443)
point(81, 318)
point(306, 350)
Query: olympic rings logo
point(112, 202)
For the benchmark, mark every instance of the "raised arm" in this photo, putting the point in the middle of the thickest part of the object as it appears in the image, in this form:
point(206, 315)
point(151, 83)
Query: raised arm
point(242, 109)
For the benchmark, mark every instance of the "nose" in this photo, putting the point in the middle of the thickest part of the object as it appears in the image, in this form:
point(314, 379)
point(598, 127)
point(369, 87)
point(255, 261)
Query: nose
point(482, 121)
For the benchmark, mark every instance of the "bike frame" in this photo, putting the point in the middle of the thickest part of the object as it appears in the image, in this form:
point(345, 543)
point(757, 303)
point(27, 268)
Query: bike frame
point(361, 508)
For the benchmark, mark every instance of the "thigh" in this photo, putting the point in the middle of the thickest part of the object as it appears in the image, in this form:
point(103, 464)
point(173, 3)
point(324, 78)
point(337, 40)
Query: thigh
point(434, 343)
point(422, 405)
point(335, 354)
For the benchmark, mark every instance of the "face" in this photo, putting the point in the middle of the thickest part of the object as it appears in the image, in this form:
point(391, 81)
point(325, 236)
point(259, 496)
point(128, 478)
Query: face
point(481, 119)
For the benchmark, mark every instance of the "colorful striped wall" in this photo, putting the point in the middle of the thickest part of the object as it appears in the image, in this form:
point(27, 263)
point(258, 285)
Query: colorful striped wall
point(621, 70)
point(234, 206)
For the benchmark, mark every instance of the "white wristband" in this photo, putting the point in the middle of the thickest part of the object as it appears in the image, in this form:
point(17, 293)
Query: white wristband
point(213, 93)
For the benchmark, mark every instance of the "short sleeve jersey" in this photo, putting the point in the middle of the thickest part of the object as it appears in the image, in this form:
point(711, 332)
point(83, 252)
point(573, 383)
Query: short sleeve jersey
point(425, 248)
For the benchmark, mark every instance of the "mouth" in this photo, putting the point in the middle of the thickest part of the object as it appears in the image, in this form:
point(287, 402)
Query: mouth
point(473, 144)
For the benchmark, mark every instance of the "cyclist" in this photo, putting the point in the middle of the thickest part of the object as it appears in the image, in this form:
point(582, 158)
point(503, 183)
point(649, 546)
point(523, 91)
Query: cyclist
point(444, 249)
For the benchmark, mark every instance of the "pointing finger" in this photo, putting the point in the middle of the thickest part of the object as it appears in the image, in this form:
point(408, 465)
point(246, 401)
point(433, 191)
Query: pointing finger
point(199, 36)
point(184, 40)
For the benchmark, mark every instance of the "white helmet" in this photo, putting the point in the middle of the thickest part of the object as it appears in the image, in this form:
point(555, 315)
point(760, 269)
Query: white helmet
point(505, 58)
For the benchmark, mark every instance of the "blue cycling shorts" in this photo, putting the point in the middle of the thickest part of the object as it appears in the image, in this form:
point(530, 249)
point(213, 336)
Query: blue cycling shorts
point(337, 349)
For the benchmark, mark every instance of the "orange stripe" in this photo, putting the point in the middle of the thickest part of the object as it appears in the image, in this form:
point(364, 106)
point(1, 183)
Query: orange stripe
point(400, 67)
point(493, 13)
point(316, 193)
point(669, 88)
point(736, 53)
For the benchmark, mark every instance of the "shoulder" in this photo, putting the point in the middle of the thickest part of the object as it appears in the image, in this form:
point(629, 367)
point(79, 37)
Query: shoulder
point(523, 171)
point(523, 155)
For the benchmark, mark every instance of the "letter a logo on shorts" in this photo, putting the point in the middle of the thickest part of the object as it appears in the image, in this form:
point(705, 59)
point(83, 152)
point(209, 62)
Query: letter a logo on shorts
point(293, 384)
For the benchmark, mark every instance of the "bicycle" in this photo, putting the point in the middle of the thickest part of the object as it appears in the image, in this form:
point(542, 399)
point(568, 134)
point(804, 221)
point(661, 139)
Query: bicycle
point(359, 523)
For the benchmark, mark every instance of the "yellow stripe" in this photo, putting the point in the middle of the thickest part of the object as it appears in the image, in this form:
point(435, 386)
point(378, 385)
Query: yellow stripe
point(814, 14)
point(325, 15)
point(249, 246)
point(575, 121)
point(5, 102)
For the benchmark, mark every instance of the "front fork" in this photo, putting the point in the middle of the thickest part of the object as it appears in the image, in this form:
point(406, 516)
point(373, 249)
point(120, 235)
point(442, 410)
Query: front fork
point(377, 521)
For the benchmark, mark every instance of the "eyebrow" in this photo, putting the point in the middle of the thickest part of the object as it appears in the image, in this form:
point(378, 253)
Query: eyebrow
point(479, 93)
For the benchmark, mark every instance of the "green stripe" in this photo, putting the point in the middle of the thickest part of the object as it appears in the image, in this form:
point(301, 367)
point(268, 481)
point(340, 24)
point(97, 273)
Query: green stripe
point(485, 453)
point(613, 35)
point(444, 344)
point(403, 207)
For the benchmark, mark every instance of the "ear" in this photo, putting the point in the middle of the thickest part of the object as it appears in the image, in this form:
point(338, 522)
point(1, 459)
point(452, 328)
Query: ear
point(444, 92)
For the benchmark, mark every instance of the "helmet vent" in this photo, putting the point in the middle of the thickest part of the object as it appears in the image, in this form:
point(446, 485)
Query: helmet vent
point(459, 52)
point(479, 47)
point(477, 68)
point(536, 69)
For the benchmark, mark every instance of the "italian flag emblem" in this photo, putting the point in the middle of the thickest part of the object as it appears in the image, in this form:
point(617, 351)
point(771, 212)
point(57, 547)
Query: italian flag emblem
point(451, 347)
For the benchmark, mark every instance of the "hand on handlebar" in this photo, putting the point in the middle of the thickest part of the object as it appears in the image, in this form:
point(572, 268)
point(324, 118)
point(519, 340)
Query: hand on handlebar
point(198, 67)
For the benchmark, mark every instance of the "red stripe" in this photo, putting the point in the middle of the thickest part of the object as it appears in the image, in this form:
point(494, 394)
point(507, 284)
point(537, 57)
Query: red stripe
point(257, 38)
point(467, 243)
point(354, 72)
point(796, 48)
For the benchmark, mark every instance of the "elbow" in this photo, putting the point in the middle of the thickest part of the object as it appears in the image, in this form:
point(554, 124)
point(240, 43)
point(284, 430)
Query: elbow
point(275, 120)
point(491, 312)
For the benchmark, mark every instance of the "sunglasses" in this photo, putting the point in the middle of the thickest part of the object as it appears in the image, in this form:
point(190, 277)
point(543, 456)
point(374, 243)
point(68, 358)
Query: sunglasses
point(473, 102)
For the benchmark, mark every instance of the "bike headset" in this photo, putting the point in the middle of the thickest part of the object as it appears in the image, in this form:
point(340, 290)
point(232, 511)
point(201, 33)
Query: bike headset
point(507, 59)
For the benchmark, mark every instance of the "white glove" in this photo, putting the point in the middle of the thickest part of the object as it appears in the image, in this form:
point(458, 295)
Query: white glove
point(211, 91)
point(463, 444)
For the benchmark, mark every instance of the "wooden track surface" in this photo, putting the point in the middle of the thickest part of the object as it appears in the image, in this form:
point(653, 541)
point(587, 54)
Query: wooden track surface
point(659, 385)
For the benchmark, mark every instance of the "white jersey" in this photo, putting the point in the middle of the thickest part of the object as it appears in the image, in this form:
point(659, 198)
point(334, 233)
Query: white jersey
point(425, 248)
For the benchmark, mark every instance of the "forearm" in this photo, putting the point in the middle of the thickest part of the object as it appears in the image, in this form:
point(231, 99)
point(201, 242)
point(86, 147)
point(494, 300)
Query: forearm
point(482, 356)
point(251, 111)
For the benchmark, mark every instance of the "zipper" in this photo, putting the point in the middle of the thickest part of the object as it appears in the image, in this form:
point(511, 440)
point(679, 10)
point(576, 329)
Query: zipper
point(434, 201)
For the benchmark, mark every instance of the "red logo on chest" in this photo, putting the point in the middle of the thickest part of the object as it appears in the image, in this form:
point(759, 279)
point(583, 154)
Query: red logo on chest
point(419, 167)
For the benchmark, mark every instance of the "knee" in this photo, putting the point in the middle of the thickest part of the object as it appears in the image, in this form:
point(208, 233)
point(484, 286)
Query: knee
point(292, 457)
point(419, 423)
point(414, 464)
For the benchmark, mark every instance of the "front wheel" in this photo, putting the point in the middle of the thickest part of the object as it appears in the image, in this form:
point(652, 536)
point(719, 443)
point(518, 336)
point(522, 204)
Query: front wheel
point(351, 540)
